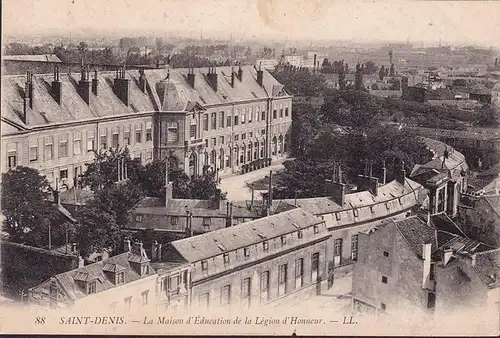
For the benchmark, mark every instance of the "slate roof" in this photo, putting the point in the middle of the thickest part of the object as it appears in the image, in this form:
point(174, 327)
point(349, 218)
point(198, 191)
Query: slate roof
point(442, 222)
point(416, 233)
point(174, 94)
point(67, 281)
point(488, 267)
point(36, 58)
point(212, 243)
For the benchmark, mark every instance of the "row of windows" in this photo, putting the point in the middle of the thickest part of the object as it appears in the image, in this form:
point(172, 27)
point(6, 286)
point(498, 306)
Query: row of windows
point(265, 284)
point(128, 301)
point(63, 147)
point(246, 250)
point(245, 116)
point(337, 249)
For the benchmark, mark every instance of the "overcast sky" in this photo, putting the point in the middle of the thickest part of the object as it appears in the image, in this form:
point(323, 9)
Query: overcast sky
point(476, 22)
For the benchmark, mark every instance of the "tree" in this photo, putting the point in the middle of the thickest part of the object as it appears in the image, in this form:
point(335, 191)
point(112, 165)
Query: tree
point(96, 230)
point(392, 71)
point(381, 73)
point(358, 80)
point(82, 49)
point(24, 203)
point(370, 68)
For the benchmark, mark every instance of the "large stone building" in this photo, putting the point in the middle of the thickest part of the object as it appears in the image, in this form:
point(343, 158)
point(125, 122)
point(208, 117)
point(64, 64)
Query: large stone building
point(253, 264)
point(220, 118)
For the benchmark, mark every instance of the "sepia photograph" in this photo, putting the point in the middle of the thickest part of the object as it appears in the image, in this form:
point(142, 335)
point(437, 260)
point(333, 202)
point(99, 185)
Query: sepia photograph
point(250, 167)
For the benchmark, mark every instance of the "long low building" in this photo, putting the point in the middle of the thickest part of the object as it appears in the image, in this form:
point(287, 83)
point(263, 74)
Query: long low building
point(218, 118)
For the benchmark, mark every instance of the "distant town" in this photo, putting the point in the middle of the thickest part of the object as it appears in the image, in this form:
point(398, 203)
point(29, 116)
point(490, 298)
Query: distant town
point(170, 173)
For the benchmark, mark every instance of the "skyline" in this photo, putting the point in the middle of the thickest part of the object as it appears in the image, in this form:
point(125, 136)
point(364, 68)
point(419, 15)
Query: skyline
point(360, 20)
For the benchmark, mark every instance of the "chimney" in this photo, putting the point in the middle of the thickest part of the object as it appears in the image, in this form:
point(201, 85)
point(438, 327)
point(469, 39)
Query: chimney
point(189, 223)
point(190, 77)
point(260, 76)
point(384, 173)
point(120, 86)
point(29, 88)
point(74, 248)
point(448, 253)
point(126, 245)
point(473, 259)
point(212, 77)
point(426, 267)
point(426, 251)
point(240, 74)
point(142, 80)
point(402, 174)
point(156, 251)
point(94, 83)
point(232, 77)
point(335, 187)
point(56, 85)
point(84, 85)
point(138, 249)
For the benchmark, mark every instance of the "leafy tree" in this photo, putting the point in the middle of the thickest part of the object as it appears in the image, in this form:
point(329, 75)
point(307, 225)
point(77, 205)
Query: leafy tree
point(301, 83)
point(358, 80)
point(28, 214)
point(488, 117)
point(96, 230)
point(381, 73)
point(392, 70)
point(104, 170)
point(370, 68)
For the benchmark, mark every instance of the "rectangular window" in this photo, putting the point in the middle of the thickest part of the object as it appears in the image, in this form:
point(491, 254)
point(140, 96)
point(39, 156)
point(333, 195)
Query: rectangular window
point(204, 265)
point(92, 287)
point(275, 114)
point(250, 113)
point(431, 300)
point(207, 221)
point(204, 300)
point(316, 229)
point(236, 120)
point(281, 111)
point(315, 266)
point(246, 252)
point(432, 272)
point(77, 143)
point(192, 131)
point(128, 303)
point(354, 247)
point(120, 278)
point(243, 116)
point(283, 240)
point(225, 295)
point(282, 279)
point(264, 286)
point(149, 156)
point(172, 132)
point(90, 140)
point(226, 258)
point(138, 133)
point(228, 120)
point(257, 113)
point(337, 251)
point(221, 119)
point(205, 122)
point(384, 279)
point(263, 115)
point(299, 234)
point(356, 213)
point(299, 273)
point(173, 220)
point(63, 145)
point(33, 150)
point(48, 148)
point(149, 131)
point(214, 141)
point(214, 121)
point(221, 140)
point(114, 138)
point(144, 297)
point(386, 254)
point(63, 173)
point(265, 245)
point(246, 292)
point(286, 112)
point(126, 135)
point(244, 136)
point(104, 139)
point(236, 137)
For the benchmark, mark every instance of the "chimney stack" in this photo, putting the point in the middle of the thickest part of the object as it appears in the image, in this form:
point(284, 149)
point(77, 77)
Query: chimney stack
point(138, 249)
point(95, 83)
point(447, 254)
point(142, 80)
point(190, 77)
point(56, 85)
point(402, 174)
point(335, 187)
point(212, 77)
point(120, 86)
point(240, 73)
point(29, 88)
point(127, 245)
point(260, 76)
point(84, 85)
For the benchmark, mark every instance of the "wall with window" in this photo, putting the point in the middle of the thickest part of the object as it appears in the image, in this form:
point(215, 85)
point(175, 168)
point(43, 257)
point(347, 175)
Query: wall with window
point(61, 152)
point(173, 289)
point(388, 274)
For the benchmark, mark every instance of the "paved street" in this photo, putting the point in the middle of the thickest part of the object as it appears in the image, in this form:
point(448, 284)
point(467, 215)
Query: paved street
point(235, 185)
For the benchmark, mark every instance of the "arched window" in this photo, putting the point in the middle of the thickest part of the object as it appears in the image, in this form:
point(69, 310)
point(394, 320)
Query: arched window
point(212, 158)
point(262, 149)
point(280, 144)
point(275, 146)
point(172, 132)
point(249, 152)
point(221, 159)
point(256, 150)
point(236, 155)
point(242, 154)
point(205, 155)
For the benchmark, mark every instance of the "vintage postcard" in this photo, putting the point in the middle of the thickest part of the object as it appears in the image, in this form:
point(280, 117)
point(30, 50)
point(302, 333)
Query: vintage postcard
point(250, 167)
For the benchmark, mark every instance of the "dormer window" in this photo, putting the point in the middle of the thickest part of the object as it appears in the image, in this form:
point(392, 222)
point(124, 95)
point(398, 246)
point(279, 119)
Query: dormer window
point(246, 252)
point(138, 218)
point(337, 216)
point(316, 229)
point(265, 245)
point(91, 287)
point(356, 213)
point(283, 240)
point(204, 265)
point(120, 278)
point(144, 270)
point(226, 258)
point(299, 234)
